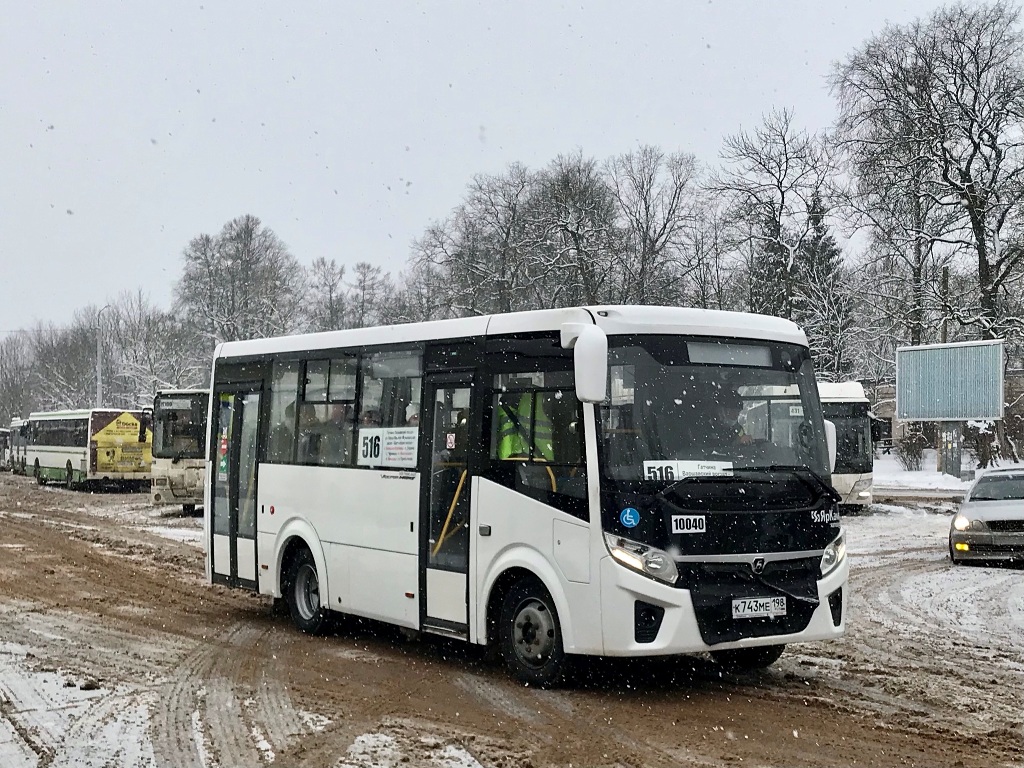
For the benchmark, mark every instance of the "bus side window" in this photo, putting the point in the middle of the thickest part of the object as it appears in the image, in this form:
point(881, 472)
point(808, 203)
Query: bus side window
point(537, 440)
point(284, 391)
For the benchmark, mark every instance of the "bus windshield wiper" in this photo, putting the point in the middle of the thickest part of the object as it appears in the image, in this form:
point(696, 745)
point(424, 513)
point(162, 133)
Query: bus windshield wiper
point(783, 591)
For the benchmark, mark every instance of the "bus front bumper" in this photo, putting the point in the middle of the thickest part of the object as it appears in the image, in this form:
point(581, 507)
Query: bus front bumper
point(644, 617)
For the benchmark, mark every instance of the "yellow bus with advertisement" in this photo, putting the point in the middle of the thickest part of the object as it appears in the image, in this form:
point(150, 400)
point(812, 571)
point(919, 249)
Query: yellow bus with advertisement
point(83, 447)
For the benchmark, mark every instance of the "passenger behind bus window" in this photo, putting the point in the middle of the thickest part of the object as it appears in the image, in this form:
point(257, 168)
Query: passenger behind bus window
point(412, 415)
point(184, 439)
point(336, 443)
point(309, 435)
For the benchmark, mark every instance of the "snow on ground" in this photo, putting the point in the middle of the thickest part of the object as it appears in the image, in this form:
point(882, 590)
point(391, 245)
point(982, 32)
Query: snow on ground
point(889, 474)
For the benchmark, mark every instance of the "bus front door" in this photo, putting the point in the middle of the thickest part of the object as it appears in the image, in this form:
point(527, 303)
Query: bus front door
point(236, 417)
point(444, 462)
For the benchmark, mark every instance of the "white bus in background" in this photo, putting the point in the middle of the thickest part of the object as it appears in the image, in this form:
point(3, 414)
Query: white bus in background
point(475, 479)
point(845, 405)
point(5, 448)
point(84, 446)
point(19, 446)
point(179, 447)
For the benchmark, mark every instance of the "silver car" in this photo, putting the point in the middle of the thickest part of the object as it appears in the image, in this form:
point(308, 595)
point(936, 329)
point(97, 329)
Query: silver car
point(990, 522)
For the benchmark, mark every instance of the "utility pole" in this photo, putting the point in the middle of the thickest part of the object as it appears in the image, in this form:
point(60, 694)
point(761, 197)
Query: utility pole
point(945, 302)
point(99, 358)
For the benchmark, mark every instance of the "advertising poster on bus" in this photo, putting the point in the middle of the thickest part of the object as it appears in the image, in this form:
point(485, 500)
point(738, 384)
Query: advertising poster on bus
point(116, 435)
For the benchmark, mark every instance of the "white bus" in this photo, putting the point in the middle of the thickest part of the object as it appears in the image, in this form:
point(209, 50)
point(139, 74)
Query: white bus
point(846, 406)
point(19, 446)
point(471, 478)
point(83, 446)
point(179, 447)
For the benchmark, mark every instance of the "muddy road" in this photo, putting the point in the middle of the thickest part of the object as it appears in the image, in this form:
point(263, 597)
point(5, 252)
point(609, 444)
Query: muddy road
point(114, 652)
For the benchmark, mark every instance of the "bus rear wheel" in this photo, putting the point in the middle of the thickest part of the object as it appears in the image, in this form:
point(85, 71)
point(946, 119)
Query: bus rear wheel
point(748, 659)
point(530, 635)
point(302, 592)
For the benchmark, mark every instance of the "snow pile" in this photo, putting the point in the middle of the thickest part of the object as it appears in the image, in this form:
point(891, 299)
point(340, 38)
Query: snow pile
point(889, 474)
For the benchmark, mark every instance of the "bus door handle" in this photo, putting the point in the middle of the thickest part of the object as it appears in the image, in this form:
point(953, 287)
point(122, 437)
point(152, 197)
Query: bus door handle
point(485, 530)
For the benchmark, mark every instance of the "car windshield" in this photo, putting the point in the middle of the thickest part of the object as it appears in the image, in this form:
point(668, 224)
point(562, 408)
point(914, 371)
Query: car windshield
point(682, 407)
point(999, 488)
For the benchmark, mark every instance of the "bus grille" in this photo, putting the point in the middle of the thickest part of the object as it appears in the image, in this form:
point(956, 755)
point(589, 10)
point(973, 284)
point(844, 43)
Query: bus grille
point(713, 586)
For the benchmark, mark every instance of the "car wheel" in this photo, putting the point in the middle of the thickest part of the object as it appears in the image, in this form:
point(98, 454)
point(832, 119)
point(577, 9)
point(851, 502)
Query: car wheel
point(302, 591)
point(748, 659)
point(530, 635)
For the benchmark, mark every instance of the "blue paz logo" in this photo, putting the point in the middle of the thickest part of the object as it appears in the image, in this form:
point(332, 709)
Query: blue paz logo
point(629, 517)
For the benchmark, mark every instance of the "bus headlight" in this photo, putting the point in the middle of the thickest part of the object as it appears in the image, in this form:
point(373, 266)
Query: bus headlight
point(861, 485)
point(833, 554)
point(647, 560)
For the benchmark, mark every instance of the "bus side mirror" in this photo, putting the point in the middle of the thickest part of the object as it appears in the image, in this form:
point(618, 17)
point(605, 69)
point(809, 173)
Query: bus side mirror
point(830, 438)
point(145, 421)
point(590, 360)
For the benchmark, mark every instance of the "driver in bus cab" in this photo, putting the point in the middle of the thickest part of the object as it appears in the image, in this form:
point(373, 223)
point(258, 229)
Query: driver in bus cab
point(731, 432)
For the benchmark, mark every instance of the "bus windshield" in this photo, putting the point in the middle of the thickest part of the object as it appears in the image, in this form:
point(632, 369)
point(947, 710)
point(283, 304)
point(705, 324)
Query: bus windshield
point(853, 437)
point(681, 407)
point(179, 425)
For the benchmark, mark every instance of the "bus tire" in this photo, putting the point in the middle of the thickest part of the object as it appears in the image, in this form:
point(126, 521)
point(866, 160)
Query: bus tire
point(530, 635)
point(38, 474)
point(188, 509)
point(69, 477)
point(748, 659)
point(302, 592)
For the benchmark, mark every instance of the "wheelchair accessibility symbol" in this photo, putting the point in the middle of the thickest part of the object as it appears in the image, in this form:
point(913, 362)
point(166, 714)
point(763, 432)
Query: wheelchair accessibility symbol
point(629, 517)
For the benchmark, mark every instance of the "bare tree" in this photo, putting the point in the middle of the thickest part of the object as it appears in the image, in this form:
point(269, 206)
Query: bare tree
point(769, 181)
point(241, 284)
point(656, 197)
point(578, 253)
point(327, 303)
point(15, 378)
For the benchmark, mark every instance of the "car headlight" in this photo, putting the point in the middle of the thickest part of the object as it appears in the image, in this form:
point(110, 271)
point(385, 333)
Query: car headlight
point(647, 560)
point(961, 523)
point(833, 554)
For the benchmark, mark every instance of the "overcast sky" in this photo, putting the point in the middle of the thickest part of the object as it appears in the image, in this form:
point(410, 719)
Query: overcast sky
point(129, 128)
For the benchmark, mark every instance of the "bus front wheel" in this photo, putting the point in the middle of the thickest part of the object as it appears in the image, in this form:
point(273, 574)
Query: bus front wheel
point(748, 659)
point(302, 592)
point(530, 635)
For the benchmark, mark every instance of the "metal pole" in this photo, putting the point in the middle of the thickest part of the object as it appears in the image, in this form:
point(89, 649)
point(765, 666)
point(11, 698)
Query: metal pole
point(99, 358)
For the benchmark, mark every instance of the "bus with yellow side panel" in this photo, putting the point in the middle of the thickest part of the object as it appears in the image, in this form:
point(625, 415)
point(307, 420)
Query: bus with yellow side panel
point(83, 447)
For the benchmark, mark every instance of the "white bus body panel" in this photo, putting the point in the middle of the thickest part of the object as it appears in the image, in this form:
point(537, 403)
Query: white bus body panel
point(178, 482)
point(57, 457)
point(367, 522)
point(528, 523)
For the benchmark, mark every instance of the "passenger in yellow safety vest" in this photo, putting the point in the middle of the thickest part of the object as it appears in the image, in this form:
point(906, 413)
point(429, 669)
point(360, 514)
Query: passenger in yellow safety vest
point(514, 430)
